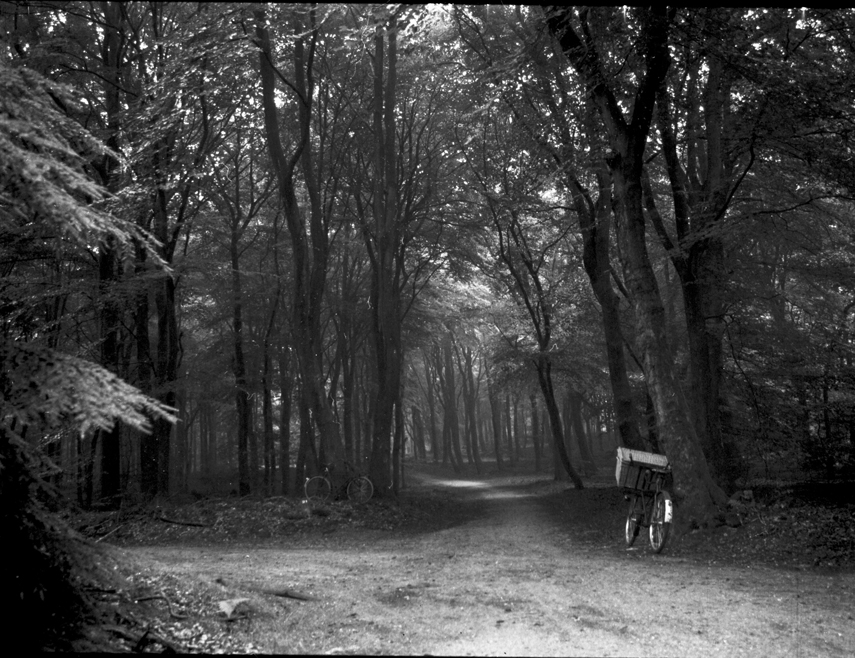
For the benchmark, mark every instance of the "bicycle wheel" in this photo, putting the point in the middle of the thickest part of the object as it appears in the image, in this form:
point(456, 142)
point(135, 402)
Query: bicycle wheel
point(318, 489)
point(636, 507)
point(360, 490)
point(660, 524)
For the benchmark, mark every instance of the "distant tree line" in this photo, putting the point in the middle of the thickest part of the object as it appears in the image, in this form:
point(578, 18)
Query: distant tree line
point(328, 233)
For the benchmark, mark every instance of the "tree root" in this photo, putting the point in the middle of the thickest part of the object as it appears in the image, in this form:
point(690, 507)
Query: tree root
point(160, 597)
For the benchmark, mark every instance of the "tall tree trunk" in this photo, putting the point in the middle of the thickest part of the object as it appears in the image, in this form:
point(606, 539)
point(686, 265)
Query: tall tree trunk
point(699, 202)
point(267, 422)
point(595, 221)
point(309, 256)
point(696, 492)
point(286, 384)
point(385, 293)
point(348, 381)
point(430, 383)
point(108, 265)
point(144, 381)
point(168, 353)
point(495, 422)
point(110, 439)
point(544, 378)
point(419, 449)
point(451, 397)
point(535, 431)
point(574, 399)
point(510, 429)
point(239, 368)
point(470, 406)
point(398, 449)
point(308, 462)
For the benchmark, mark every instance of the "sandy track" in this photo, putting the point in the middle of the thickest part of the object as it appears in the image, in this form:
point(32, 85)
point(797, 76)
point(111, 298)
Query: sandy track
point(513, 580)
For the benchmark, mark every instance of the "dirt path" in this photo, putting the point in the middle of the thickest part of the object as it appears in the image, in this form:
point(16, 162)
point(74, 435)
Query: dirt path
point(511, 575)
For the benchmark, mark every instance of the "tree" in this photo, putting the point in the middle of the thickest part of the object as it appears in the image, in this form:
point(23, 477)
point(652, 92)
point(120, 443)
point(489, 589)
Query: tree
point(699, 496)
point(310, 248)
point(517, 66)
point(48, 198)
point(239, 190)
point(513, 198)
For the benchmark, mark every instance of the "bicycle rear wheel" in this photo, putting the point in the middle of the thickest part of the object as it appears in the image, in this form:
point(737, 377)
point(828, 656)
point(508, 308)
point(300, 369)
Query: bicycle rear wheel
point(636, 509)
point(360, 490)
point(318, 489)
point(660, 524)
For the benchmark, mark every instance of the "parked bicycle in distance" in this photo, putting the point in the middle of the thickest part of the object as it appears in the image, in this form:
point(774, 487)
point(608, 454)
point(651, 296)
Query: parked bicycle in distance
point(642, 476)
point(356, 488)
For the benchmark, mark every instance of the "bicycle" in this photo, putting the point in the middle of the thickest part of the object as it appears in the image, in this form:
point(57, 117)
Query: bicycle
point(357, 488)
point(643, 475)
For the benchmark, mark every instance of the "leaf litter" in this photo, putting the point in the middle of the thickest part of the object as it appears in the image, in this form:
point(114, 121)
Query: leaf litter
point(778, 529)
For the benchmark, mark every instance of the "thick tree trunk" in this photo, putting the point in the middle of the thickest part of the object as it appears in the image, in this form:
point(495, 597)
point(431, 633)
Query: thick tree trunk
point(430, 383)
point(544, 378)
point(309, 257)
point(348, 382)
point(496, 423)
point(398, 448)
point(384, 252)
point(239, 371)
point(419, 449)
point(699, 203)
point(696, 493)
point(511, 430)
point(595, 221)
point(535, 431)
point(574, 400)
point(309, 462)
point(108, 265)
point(286, 384)
point(450, 397)
point(267, 422)
point(471, 407)
point(110, 317)
point(165, 376)
point(143, 380)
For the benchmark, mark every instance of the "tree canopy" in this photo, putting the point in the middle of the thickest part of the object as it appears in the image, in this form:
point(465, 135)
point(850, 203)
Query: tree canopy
point(350, 233)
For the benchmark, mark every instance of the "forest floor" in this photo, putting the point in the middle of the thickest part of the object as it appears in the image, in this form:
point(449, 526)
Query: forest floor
point(507, 563)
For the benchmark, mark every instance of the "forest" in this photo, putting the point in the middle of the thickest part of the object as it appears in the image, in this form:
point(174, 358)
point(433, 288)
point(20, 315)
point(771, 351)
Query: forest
point(242, 241)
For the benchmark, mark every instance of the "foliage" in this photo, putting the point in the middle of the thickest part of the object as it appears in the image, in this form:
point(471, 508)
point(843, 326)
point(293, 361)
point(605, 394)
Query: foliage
point(46, 196)
point(41, 589)
point(45, 388)
point(495, 145)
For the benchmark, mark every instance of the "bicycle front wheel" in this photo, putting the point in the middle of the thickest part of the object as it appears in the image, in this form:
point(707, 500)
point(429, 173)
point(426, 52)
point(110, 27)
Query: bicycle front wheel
point(636, 506)
point(660, 524)
point(318, 489)
point(360, 490)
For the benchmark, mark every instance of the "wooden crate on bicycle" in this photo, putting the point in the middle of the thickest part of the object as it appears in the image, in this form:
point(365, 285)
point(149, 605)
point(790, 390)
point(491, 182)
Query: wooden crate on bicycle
point(633, 469)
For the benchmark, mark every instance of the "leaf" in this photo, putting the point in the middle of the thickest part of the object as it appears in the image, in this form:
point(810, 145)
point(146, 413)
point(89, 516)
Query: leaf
point(229, 606)
point(44, 386)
